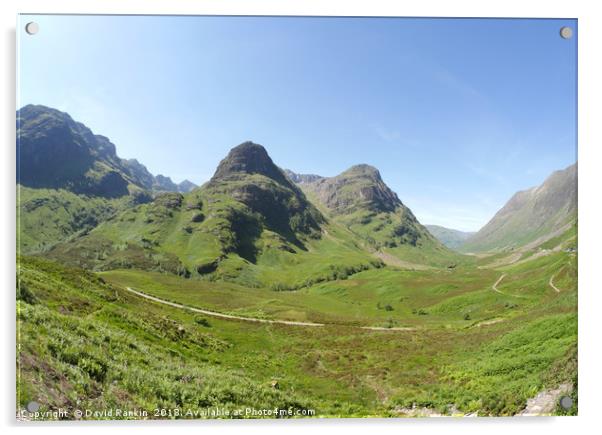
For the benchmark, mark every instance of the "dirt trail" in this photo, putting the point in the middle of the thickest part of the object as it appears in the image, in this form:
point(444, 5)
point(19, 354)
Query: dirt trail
point(487, 323)
point(551, 282)
point(494, 286)
point(220, 315)
point(384, 328)
point(546, 401)
point(252, 319)
point(495, 289)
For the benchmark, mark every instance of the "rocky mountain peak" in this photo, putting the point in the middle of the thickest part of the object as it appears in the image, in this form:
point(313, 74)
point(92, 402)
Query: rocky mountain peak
point(362, 169)
point(249, 158)
point(359, 187)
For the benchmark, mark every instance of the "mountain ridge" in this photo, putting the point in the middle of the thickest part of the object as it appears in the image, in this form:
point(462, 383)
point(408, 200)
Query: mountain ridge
point(530, 214)
point(46, 136)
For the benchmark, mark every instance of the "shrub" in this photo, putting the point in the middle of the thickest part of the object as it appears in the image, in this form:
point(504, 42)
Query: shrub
point(198, 217)
point(202, 321)
point(24, 294)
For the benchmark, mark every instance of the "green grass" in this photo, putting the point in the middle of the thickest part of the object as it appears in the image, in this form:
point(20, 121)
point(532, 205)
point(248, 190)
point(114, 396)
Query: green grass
point(360, 299)
point(48, 216)
point(198, 235)
point(86, 342)
point(513, 367)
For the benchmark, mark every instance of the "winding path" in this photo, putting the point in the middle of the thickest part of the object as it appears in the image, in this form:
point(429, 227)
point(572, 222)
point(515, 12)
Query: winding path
point(251, 319)
point(494, 286)
point(220, 315)
point(551, 282)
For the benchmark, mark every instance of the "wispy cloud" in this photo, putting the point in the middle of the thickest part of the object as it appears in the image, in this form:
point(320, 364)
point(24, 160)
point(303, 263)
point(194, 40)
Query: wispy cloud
point(453, 82)
point(387, 135)
point(394, 136)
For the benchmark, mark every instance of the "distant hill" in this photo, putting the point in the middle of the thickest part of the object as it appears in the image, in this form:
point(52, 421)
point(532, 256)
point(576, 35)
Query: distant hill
point(186, 186)
point(302, 178)
point(532, 215)
point(54, 151)
point(451, 238)
point(162, 183)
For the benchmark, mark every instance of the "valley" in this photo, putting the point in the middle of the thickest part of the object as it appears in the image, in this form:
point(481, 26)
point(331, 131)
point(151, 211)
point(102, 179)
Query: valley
point(269, 289)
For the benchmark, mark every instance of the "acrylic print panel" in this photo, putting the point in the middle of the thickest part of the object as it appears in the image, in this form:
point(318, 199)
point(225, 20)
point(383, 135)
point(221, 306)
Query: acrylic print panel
point(262, 217)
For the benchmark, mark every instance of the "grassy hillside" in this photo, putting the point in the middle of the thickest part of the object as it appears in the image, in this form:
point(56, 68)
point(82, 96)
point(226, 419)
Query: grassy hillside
point(531, 216)
point(451, 238)
point(48, 216)
point(85, 342)
point(207, 234)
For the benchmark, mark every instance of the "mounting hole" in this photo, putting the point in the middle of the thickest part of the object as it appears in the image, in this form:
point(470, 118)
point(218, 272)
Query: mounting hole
point(32, 28)
point(566, 32)
point(33, 406)
point(566, 402)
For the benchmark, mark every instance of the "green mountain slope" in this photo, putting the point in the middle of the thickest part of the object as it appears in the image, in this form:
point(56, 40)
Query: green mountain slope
point(93, 346)
point(531, 216)
point(249, 224)
point(70, 179)
point(47, 216)
point(359, 200)
point(451, 238)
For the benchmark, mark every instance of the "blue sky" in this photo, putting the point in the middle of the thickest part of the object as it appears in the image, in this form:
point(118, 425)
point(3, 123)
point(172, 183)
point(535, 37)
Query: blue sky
point(457, 114)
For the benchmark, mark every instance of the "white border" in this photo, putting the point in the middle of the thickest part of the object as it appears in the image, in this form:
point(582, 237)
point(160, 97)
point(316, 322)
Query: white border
point(590, 168)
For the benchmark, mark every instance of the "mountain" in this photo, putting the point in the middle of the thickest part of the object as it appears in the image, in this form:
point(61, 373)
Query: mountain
point(359, 199)
point(138, 172)
point(186, 186)
point(302, 178)
point(164, 184)
point(358, 188)
point(531, 216)
point(71, 179)
point(249, 175)
point(249, 224)
point(56, 152)
point(451, 238)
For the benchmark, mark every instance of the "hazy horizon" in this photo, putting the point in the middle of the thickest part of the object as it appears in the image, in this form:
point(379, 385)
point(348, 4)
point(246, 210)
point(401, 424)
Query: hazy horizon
point(457, 114)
